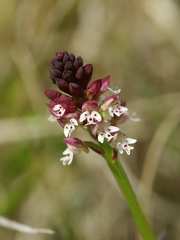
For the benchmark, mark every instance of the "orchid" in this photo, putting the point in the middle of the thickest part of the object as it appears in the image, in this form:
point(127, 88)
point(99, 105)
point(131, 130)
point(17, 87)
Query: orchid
point(70, 127)
point(81, 104)
point(123, 145)
point(74, 146)
point(90, 113)
point(113, 105)
point(78, 105)
point(103, 130)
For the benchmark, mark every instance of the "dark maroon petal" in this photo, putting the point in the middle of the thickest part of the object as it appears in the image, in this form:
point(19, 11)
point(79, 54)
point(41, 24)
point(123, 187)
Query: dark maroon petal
point(67, 75)
point(59, 65)
point(56, 73)
point(76, 90)
point(72, 57)
point(62, 85)
point(52, 77)
point(52, 94)
point(59, 56)
point(53, 61)
point(69, 66)
point(78, 62)
point(88, 69)
point(80, 73)
point(87, 76)
point(66, 58)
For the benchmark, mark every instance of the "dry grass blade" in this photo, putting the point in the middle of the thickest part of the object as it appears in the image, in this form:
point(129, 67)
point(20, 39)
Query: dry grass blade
point(4, 222)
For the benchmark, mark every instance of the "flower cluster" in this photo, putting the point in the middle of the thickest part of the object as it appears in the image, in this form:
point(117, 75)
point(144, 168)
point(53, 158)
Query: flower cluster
point(78, 104)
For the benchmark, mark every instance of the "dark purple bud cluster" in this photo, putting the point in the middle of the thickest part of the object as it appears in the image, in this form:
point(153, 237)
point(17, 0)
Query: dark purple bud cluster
point(69, 74)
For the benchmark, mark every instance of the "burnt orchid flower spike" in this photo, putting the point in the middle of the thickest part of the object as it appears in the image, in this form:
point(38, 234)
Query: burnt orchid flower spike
point(78, 105)
point(69, 74)
point(83, 108)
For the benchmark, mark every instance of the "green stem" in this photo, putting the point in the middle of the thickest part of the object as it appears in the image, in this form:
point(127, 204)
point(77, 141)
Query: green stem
point(129, 195)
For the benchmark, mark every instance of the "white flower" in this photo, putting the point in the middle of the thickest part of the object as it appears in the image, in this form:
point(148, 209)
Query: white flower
point(117, 110)
point(123, 145)
point(106, 133)
point(58, 110)
point(70, 127)
point(68, 158)
point(90, 117)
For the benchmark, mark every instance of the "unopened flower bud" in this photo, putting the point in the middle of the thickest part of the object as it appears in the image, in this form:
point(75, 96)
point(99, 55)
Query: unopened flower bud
point(98, 87)
point(75, 145)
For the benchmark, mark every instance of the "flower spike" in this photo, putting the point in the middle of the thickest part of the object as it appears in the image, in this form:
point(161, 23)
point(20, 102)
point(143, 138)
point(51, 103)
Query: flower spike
point(78, 104)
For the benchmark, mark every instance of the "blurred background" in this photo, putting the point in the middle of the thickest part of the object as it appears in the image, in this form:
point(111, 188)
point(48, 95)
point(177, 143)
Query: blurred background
point(138, 44)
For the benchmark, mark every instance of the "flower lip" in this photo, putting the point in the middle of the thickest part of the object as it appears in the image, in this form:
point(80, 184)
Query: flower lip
point(123, 145)
point(68, 158)
point(70, 127)
point(117, 110)
point(90, 113)
point(91, 117)
point(56, 110)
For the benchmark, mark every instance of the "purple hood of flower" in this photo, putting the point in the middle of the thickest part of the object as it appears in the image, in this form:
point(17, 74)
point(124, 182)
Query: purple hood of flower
point(98, 87)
